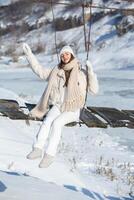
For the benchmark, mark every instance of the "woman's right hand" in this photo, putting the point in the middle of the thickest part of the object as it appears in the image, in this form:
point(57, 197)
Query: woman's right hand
point(26, 49)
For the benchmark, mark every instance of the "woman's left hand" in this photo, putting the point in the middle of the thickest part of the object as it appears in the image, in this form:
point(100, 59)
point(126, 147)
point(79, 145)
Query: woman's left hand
point(89, 65)
point(26, 49)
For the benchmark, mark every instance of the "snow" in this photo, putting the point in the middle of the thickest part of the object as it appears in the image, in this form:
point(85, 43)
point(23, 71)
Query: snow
point(19, 186)
point(7, 2)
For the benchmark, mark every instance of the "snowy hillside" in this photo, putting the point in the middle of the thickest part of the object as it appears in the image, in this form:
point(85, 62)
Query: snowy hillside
point(33, 23)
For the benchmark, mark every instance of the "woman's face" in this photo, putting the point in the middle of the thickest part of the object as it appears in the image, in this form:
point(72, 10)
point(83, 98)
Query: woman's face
point(65, 57)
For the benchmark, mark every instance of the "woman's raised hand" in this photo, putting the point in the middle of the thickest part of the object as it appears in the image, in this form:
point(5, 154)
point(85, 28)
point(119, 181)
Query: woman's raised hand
point(26, 49)
point(89, 65)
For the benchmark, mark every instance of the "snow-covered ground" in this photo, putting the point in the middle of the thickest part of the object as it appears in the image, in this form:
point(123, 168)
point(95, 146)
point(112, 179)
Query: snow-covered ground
point(18, 186)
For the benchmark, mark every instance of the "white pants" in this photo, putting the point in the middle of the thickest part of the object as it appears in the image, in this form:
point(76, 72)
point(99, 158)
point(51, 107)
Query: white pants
point(52, 126)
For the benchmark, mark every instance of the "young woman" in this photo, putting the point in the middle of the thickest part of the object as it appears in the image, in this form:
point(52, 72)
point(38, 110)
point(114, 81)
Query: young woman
point(65, 92)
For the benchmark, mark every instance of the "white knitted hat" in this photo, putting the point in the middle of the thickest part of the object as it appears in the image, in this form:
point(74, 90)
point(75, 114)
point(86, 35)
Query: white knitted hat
point(67, 49)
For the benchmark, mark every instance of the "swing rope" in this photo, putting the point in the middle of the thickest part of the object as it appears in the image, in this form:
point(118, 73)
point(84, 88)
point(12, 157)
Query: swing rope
point(86, 39)
point(84, 26)
point(55, 35)
point(89, 32)
point(87, 42)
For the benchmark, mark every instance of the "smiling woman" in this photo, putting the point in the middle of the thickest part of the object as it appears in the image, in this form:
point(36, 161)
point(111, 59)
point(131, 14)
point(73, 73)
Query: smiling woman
point(66, 57)
point(66, 54)
point(65, 92)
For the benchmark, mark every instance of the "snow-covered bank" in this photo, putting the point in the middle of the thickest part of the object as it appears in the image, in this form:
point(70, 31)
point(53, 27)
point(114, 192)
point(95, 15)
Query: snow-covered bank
point(20, 187)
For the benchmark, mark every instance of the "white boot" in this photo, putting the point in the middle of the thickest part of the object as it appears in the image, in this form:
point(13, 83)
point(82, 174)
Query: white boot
point(35, 153)
point(46, 161)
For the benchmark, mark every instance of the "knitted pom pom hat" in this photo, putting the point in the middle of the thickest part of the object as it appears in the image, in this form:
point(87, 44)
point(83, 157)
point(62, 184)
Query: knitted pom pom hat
point(67, 48)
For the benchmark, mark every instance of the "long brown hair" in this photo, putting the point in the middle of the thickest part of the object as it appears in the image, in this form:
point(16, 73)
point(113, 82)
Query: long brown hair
point(67, 73)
